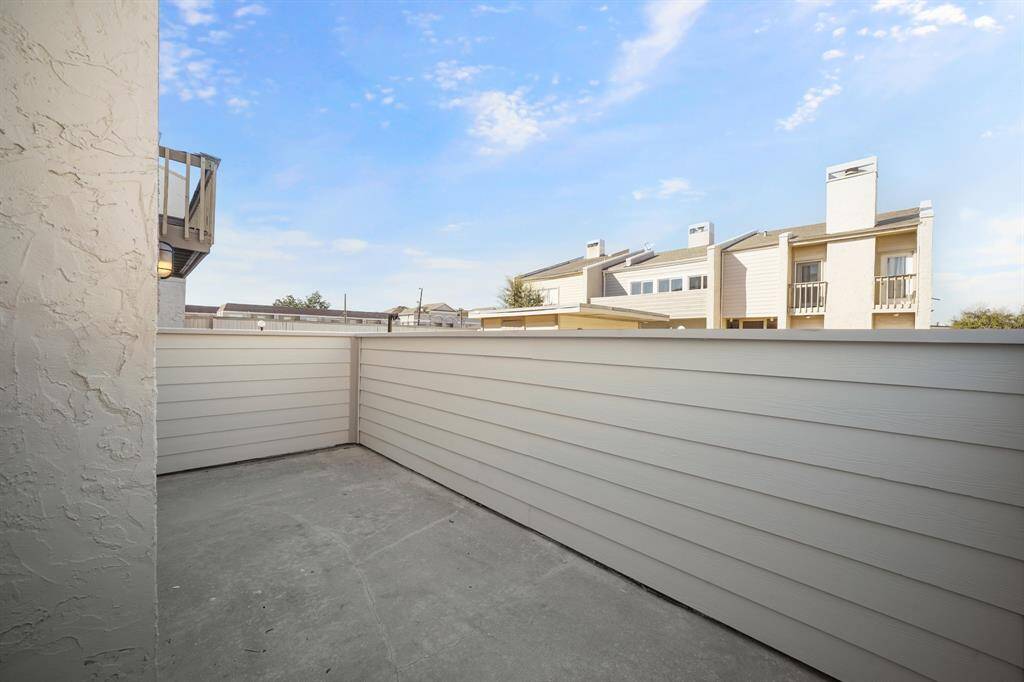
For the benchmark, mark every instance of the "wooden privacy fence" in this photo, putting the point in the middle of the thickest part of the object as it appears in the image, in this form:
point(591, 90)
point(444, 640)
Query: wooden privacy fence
point(853, 499)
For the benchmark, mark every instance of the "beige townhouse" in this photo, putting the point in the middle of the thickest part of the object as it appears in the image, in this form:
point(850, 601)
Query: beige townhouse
point(859, 269)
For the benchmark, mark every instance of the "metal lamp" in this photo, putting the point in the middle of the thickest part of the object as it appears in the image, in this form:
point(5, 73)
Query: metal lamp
point(165, 265)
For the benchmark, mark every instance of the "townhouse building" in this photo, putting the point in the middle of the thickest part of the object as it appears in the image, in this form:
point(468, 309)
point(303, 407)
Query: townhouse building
point(858, 269)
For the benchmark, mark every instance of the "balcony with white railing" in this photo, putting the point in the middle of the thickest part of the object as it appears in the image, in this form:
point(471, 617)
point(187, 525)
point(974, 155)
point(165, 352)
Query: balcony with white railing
point(896, 292)
point(807, 298)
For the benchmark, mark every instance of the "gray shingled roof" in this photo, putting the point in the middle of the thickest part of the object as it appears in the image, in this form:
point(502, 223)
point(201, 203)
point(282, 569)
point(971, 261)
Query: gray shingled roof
point(892, 220)
point(201, 308)
point(569, 267)
point(665, 257)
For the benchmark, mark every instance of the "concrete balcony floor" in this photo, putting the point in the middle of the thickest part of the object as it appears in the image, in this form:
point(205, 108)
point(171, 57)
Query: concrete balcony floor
point(341, 564)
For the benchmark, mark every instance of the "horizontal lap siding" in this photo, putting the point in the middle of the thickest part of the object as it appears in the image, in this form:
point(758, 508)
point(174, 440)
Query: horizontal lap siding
point(675, 304)
point(867, 522)
point(231, 397)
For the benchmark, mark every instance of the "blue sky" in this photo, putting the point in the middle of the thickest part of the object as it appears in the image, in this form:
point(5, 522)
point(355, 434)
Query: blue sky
point(371, 149)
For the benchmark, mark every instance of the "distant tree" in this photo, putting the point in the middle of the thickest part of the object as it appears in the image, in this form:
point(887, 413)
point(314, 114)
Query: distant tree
point(519, 294)
point(314, 300)
point(988, 318)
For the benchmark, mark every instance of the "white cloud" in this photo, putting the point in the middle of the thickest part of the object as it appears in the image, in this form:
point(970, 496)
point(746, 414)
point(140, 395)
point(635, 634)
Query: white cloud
point(667, 25)
point(491, 9)
point(452, 227)
point(254, 9)
point(667, 188)
point(238, 104)
point(449, 75)
point(863, 32)
point(832, 54)
point(506, 121)
point(194, 12)
point(839, 32)
point(414, 252)
point(217, 37)
point(807, 110)
point(349, 245)
point(206, 93)
point(941, 15)
point(987, 23)
point(424, 21)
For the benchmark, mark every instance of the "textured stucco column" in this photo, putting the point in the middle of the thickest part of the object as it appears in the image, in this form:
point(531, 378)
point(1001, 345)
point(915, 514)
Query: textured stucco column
point(923, 318)
point(78, 137)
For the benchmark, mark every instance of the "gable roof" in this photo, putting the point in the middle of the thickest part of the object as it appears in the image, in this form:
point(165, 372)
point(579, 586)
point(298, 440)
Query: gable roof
point(891, 220)
point(201, 308)
point(569, 267)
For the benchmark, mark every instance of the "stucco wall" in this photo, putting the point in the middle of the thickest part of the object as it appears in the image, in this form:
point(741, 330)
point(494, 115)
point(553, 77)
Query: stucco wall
point(851, 267)
point(171, 308)
point(78, 134)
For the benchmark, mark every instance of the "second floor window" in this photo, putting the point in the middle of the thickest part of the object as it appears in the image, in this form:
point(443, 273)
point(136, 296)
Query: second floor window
point(698, 282)
point(636, 288)
point(550, 296)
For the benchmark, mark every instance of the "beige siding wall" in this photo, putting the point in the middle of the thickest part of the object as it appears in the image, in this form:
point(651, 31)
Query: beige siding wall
point(853, 500)
point(571, 290)
point(750, 283)
point(231, 396)
point(677, 304)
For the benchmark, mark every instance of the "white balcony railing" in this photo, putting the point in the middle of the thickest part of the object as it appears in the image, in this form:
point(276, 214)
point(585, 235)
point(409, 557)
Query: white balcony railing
point(807, 297)
point(896, 292)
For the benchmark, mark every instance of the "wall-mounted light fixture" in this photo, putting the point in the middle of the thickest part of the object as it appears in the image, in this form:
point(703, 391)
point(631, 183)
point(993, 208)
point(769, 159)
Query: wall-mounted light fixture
point(165, 266)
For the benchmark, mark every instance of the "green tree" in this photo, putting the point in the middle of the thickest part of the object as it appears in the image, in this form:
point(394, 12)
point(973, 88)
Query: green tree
point(988, 318)
point(314, 300)
point(519, 294)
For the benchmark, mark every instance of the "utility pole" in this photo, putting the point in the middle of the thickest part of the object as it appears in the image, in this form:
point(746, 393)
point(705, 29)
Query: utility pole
point(345, 306)
point(419, 307)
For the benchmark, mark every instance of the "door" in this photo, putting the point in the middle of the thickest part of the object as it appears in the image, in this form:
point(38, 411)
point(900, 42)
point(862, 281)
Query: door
point(806, 292)
point(898, 287)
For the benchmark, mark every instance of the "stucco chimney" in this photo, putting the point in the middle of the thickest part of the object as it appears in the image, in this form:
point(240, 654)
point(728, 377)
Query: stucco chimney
point(702, 234)
point(595, 248)
point(851, 195)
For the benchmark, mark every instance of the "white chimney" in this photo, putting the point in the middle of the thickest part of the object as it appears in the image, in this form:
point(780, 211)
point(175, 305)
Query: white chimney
point(702, 234)
point(851, 195)
point(595, 248)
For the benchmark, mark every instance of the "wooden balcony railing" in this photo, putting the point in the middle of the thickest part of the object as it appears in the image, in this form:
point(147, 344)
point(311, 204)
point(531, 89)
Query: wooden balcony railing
point(187, 215)
point(896, 292)
point(807, 297)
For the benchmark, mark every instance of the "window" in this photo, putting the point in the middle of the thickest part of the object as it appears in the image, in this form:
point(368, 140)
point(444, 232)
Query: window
point(677, 284)
point(897, 265)
point(732, 324)
point(648, 287)
point(753, 324)
point(808, 272)
point(698, 282)
point(662, 286)
point(550, 296)
point(634, 288)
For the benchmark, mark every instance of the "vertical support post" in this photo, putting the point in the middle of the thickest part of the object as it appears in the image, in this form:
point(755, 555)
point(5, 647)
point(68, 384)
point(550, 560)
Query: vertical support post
point(167, 180)
point(782, 298)
point(202, 195)
point(188, 182)
point(353, 389)
point(213, 201)
point(923, 263)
